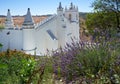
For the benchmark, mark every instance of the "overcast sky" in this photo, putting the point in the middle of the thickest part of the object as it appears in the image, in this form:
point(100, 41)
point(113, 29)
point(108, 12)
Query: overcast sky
point(41, 7)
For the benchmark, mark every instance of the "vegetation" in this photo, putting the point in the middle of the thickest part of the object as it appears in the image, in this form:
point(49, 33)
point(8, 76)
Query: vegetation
point(97, 63)
point(91, 64)
point(19, 68)
point(100, 20)
point(78, 63)
point(104, 21)
point(1, 45)
point(109, 6)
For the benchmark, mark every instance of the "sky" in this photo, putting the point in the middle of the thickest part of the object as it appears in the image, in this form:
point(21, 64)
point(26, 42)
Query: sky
point(41, 7)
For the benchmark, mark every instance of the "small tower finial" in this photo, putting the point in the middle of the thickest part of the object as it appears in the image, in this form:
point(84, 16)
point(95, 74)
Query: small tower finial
point(60, 6)
point(71, 5)
point(28, 9)
point(8, 10)
point(60, 9)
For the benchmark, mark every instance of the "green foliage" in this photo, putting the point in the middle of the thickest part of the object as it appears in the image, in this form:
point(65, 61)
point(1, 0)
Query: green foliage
point(96, 64)
point(1, 45)
point(48, 72)
point(109, 6)
point(101, 25)
point(19, 68)
point(106, 5)
point(15, 67)
point(105, 19)
point(100, 20)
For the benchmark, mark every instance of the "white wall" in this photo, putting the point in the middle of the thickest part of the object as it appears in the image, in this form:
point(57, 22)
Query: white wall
point(61, 31)
point(43, 39)
point(72, 31)
point(63, 35)
point(28, 39)
point(12, 41)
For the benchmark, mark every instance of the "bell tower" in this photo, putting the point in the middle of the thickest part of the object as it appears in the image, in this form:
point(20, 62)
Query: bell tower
point(72, 16)
point(72, 13)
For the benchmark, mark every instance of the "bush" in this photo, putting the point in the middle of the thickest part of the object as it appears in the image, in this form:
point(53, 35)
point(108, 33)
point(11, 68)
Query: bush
point(15, 67)
point(97, 63)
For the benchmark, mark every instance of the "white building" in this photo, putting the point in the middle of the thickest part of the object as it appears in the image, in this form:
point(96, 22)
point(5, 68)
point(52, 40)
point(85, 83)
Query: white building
point(52, 33)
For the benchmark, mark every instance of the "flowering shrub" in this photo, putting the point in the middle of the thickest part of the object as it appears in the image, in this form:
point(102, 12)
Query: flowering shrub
point(99, 63)
point(19, 68)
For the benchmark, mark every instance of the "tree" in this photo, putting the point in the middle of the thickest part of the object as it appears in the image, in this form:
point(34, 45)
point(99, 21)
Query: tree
point(105, 19)
point(109, 6)
point(101, 24)
point(100, 20)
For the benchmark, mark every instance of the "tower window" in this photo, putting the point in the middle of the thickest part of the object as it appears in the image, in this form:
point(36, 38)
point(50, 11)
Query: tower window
point(70, 17)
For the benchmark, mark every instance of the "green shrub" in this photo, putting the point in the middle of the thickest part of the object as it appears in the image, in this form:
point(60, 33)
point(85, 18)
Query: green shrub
point(19, 68)
point(15, 67)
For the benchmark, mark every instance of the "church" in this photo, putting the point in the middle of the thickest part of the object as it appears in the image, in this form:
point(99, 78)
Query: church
point(50, 34)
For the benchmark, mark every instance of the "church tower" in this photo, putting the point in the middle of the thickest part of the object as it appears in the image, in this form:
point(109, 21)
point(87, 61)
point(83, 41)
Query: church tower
point(9, 21)
point(72, 13)
point(28, 34)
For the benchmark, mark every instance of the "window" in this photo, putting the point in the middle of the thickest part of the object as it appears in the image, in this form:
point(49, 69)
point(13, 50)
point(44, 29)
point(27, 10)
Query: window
point(70, 17)
point(51, 35)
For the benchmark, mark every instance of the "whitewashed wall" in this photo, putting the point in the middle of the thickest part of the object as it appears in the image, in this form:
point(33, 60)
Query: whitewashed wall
point(12, 41)
point(29, 39)
point(61, 31)
point(43, 39)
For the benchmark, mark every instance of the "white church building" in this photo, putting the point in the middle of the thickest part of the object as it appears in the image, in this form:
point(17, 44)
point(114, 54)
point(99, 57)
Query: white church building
point(52, 33)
